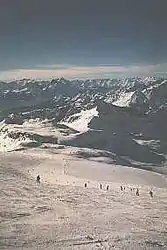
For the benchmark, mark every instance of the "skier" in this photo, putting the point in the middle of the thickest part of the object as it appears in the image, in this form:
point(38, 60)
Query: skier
point(121, 188)
point(151, 193)
point(38, 179)
point(137, 192)
point(85, 185)
point(100, 186)
point(107, 187)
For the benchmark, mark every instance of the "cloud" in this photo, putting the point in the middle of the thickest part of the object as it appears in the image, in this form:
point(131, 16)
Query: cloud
point(71, 72)
point(54, 66)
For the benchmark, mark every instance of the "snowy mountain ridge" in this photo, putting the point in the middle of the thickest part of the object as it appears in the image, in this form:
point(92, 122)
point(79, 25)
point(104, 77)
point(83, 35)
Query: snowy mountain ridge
point(105, 114)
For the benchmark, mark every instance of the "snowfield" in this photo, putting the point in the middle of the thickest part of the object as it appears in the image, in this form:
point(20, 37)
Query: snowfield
point(124, 100)
point(60, 213)
point(82, 120)
point(14, 137)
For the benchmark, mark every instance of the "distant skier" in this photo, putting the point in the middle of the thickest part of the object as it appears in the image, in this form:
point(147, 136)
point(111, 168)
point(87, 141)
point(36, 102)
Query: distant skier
point(107, 187)
point(121, 188)
point(124, 188)
point(86, 185)
point(137, 192)
point(151, 193)
point(38, 179)
point(101, 186)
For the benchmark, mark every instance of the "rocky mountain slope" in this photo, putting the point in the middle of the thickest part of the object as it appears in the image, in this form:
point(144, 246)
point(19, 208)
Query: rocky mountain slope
point(124, 116)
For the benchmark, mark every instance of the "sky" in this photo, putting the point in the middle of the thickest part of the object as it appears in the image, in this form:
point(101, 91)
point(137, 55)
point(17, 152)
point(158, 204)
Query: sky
point(82, 38)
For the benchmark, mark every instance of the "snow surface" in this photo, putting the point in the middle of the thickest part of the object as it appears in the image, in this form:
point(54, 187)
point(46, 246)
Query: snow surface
point(6, 142)
point(19, 90)
point(29, 127)
point(147, 142)
point(33, 126)
point(83, 119)
point(124, 99)
point(60, 213)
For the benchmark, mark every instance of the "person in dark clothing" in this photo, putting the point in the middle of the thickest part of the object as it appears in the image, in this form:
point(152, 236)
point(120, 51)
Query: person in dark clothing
point(107, 187)
point(121, 188)
point(151, 193)
point(38, 179)
point(100, 186)
point(85, 185)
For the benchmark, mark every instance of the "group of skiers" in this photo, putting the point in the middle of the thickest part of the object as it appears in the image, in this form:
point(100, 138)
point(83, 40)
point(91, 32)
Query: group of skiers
point(107, 187)
point(101, 186)
point(137, 191)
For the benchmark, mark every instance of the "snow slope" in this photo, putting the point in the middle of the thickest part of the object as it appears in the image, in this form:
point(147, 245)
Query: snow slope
point(129, 98)
point(7, 142)
point(60, 213)
point(14, 137)
point(81, 120)
point(124, 99)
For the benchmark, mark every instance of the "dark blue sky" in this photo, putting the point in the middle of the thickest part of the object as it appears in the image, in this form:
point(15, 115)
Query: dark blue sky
point(83, 33)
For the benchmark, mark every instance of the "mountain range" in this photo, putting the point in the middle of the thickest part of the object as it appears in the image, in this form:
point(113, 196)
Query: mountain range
point(123, 117)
